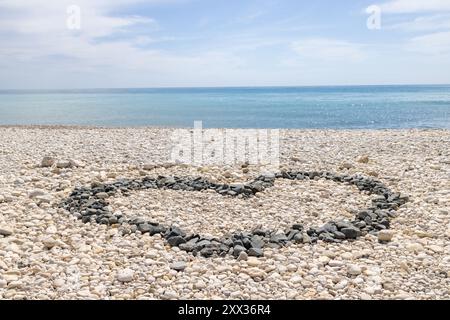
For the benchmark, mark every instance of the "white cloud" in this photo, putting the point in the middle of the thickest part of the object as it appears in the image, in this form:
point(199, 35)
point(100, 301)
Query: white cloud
point(412, 6)
point(328, 49)
point(50, 17)
point(425, 23)
point(39, 43)
point(436, 44)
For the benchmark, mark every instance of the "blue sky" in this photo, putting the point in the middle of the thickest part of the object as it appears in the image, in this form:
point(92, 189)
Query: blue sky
point(166, 43)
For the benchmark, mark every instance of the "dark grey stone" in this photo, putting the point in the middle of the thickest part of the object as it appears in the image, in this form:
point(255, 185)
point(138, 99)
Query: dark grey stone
point(207, 252)
point(144, 227)
point(176, 241)
point(201, 244)
point(255, 252)
point(351, 233)
point(298, 238)
point(156, 229)
point(339, 235)
point(257, 242)
point(278, 238)
point(237, 250)
point(259, 232)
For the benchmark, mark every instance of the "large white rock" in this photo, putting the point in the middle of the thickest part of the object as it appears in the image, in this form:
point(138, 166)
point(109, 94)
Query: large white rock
point(49, 242)
point(354, 270)
point(178, 266)
point(125, 275)
point(253, 262)
point(385, 235)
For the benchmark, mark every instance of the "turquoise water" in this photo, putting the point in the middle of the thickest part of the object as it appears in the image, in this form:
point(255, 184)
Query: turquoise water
point(371, 107)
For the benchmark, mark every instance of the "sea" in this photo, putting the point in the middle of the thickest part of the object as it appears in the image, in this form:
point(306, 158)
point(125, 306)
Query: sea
point(331, 107)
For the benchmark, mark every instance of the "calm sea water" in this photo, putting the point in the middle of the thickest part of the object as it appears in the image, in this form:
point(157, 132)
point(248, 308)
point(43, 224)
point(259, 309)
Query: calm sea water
point(373, 107)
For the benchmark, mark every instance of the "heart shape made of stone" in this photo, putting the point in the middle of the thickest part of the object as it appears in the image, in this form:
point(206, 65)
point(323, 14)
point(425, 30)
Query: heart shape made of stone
point(90, 205)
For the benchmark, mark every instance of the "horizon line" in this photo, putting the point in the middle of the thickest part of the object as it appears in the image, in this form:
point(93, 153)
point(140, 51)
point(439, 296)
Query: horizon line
point(226, 87)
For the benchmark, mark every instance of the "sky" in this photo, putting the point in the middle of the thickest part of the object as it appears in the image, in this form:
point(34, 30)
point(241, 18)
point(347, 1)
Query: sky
point(65, 44)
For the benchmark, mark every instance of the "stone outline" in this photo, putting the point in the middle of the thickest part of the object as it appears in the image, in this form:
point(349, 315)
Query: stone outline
point(89, 204)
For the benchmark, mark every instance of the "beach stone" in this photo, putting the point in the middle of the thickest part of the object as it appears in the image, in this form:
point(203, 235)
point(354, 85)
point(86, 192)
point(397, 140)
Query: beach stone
point(125, 275)
point(253, 262)
point(207, 252)
point(363, 159)
point(178, 266)
point(335, 263)
point(49, 242)
point(351, 232)
point(388, 285)
point(75, 163)
point(148, 167)
point(424, 234)
point(447, 233)
point(373, 174)
point(238, 249)
point(102, 195)
point(257, 242)
point(227, 174)
point(242, 256)
point(5, 231)
point(36, 193)
point(385, 235)
point(51, 229)
point(200, 285)
point(256, 273)
point(306, 238)
point(296, 279)
point(58, 283)
point(255, 252)
point(63, 164)
point(176, 241)
point(354, 270)
point(45, 198)
point(414, 247)
point(47, 162)
point(347, 165)
point(436, 248)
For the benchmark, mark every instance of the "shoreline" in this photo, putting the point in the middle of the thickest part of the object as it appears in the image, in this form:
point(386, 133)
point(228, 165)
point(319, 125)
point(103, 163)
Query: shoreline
point(93, 127)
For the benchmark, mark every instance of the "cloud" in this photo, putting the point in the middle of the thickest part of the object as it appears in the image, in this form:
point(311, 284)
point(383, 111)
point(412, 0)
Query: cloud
point(414, 6)
point(436, 44)
point(49, 17)
point(425, 23)
point(328, 50)
point(105, 52)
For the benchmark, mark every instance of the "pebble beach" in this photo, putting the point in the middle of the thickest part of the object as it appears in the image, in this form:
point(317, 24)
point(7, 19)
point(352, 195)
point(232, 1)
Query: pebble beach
point(48, 253)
